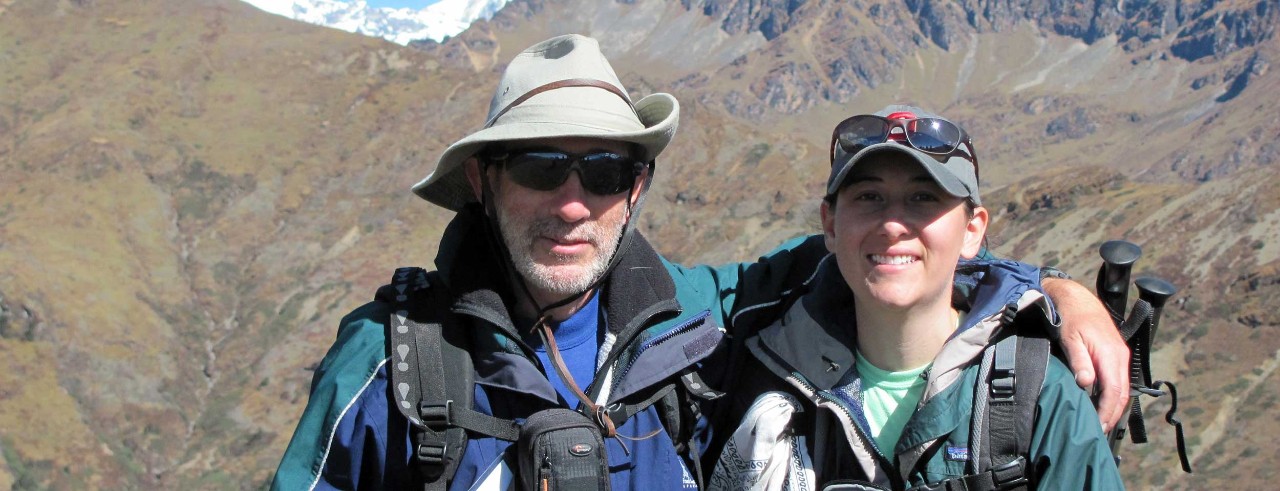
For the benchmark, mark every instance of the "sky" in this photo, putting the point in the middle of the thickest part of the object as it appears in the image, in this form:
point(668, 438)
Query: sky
point(398, 4)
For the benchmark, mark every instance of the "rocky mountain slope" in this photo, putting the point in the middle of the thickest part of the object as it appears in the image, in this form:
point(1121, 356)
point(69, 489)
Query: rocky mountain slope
point(195, 191)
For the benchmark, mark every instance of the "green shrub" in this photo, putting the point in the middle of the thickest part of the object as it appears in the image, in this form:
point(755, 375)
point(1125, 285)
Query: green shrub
point(1199, 331)
point(757, 153)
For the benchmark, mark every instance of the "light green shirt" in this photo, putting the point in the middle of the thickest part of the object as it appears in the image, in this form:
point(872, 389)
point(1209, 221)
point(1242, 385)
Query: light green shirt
point(889, 399)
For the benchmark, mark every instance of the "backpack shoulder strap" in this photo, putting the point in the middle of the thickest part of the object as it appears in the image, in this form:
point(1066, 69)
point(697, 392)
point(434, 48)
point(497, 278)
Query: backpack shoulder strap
point(684, 405)
point(1004, 410)
point(430, 372)
point(1010, 378)
point(1017, 375)
point(412, 304)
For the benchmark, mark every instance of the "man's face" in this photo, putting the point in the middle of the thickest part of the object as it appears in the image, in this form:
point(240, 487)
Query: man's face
point(561, 240)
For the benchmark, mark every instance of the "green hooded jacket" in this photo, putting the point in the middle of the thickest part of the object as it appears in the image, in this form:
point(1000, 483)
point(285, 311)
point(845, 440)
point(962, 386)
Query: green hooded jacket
point(809, 353)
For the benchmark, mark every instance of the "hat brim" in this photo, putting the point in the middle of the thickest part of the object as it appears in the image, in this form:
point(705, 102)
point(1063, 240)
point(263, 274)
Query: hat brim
point(447, 185)
point(937, 170)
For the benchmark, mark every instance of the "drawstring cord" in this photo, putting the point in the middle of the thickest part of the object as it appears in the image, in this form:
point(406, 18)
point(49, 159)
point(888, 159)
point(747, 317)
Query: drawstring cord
point(607, 427)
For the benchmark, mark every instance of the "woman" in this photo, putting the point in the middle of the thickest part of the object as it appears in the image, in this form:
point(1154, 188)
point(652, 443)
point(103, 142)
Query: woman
point(871, 378)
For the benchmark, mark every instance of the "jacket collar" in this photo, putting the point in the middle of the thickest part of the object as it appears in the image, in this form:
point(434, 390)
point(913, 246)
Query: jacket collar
point(816, 337)
point(467, 265)
point(637, 287)
point(637, 292)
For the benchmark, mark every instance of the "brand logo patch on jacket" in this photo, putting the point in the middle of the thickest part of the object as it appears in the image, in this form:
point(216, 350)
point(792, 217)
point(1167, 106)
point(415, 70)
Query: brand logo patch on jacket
point(958, 454)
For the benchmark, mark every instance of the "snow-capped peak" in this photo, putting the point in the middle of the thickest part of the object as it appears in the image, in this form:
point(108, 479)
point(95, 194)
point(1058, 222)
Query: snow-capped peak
point(437, 21)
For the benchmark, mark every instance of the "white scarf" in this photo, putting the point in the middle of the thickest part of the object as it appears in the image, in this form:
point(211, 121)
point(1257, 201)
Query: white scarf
point(764, 454)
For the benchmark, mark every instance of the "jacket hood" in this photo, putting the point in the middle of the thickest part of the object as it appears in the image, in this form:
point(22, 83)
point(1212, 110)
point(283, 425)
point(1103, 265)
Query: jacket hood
point(816, 336)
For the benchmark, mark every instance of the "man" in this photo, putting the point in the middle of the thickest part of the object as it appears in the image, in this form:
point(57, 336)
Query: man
point(561, 302)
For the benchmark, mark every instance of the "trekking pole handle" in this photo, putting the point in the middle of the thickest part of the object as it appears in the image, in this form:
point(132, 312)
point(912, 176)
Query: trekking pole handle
point(1156, 292)
point(1118, 257)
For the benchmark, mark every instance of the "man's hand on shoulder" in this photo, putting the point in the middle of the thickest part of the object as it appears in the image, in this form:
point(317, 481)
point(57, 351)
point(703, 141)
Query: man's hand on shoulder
point(1094, 348)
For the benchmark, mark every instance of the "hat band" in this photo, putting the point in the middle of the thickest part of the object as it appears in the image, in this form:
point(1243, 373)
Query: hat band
point(559, 84)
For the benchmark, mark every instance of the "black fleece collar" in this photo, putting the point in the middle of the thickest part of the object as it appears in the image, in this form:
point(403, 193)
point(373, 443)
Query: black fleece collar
point(638, 288)
point(472, 272)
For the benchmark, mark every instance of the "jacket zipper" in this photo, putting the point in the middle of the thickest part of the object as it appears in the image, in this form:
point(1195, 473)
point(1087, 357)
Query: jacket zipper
point(662, 338)
point(881, 460)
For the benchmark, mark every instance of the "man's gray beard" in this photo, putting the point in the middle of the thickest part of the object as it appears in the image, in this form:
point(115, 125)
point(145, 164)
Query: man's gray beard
point(519, 236)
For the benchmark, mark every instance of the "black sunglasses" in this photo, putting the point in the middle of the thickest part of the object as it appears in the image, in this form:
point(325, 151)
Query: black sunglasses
point(601, 173)
point(937, 137)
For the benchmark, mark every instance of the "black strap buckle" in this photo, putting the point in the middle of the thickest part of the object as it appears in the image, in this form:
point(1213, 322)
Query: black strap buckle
point(435, 416)
point(1003, 388)
point(432, 453)
point(432, 447)
point(1010, 475)
point(1004, 374)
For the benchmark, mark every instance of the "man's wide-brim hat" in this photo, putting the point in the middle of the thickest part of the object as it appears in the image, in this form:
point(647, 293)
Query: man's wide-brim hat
point(561, 87)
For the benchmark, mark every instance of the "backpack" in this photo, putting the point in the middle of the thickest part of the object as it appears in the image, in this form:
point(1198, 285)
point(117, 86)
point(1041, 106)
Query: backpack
point(1010, 377)
point(432, 379)
point(1012, 373)
point(1005, 404)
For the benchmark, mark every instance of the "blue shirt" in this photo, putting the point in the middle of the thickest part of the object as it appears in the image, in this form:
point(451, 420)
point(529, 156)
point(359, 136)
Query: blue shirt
point(578, 338)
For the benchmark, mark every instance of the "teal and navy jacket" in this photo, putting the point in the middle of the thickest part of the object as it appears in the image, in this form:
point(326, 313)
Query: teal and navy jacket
point(808, 353)
point(661, 318)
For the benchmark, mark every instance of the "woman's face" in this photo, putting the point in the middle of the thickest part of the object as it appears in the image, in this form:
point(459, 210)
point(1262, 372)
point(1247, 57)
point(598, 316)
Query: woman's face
point(896, 235)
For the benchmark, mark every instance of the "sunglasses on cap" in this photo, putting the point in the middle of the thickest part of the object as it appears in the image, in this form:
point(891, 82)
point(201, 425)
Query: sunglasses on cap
point(937, 137)
point(601, 173)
